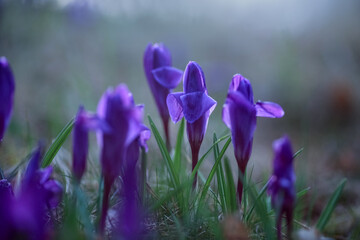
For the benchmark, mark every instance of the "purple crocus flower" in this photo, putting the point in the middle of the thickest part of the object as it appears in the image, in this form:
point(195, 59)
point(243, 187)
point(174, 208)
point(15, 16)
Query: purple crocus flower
point(40, 179)
point(131, 214)
point(24, 216)
point(195, 105)
point(282, 183)
point(239, 114)
point(7, 88)
point(118, 110)
point(84, 122)
point(161, 78)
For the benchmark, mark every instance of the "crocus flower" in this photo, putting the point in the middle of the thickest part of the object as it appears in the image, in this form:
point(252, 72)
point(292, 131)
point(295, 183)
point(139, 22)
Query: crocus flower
point(24, 216)
point(195, 105)
point(84, 122)
point(40, 179)
point(161, 77)
point(131, 214)
point(282, 183)
point(118, 110)
point(239, 114)
point(7, 88)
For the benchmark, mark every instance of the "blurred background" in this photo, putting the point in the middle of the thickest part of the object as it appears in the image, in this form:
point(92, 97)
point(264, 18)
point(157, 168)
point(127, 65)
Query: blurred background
point(304, 55)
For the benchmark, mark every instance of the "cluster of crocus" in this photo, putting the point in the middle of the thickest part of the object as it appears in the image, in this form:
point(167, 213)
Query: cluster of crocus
point(25, 213)
point(162, 77)
point(239, 114)
point(7, 88)
point(195, 105)
point(120, 145)
point(282, 183)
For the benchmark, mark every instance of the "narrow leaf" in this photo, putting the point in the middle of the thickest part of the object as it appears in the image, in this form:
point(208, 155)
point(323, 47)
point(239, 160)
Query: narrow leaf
point(298, 153)
point(57, 143)
point(213, 170)
point(220, 177)
point(164, 152)
point(330, 206)
point(230, 185)
point(178, 147)
point(197, 166)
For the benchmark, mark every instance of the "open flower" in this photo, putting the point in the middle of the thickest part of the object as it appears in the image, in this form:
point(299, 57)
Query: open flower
point(195, 105)
point(162, 77)
point(282, 183)
point(84, 122)
point(7, 88)
point(239, 114)
point(117, 108)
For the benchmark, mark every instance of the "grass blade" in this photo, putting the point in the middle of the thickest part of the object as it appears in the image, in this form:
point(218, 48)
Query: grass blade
point(302, 192)
point(330, 206)
point(179, 140)
point(298, 153)
point(164, 152)
point(230, 186)
point(57, 143)
point(197, 166)
point(220, 177)
point(213, 170)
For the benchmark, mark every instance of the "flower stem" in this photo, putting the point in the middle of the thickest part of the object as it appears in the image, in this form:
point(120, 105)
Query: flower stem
point(167, 134)
point(105, 204)
point(195, 158)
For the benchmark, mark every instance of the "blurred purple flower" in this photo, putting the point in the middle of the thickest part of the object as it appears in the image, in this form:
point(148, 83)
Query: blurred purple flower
point(24, 216)
point(6, 188)
point(84, 122)
point(282, 183)
point(239, 114)
point(7, 88)
point(40, 180)
point(195, 105)
point(117, 108)
point(161, 78)
point(130, 213)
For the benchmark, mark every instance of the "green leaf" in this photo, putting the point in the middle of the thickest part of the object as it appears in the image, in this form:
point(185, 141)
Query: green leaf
point(302, 192)
point(197, 166)
point(330, 206)
point(261, 193)
point(57, 143)
point(178, 149)
point(213, 170)
point(298, 153)
point(164, 152)
point(230, 185)
point(220, 177)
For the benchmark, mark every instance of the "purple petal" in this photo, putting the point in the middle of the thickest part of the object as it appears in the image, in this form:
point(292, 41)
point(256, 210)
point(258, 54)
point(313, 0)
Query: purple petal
point(54, 193)
point(45, 174)
point(7, 88)
point(175, 106)
point(162, 56)
point(196, 104)
point(226, 115)
point(243, 123)
point(194, 80)
point(269, 109)
point(242, 85)
point(144, 137)
point(168, 77)
point(33, 166)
